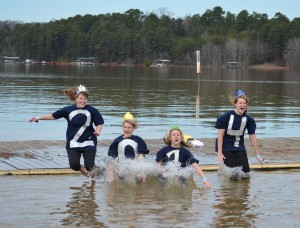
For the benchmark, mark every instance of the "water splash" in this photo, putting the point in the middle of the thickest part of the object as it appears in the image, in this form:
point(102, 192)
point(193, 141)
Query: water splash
point(133, 171)
point(235, 173)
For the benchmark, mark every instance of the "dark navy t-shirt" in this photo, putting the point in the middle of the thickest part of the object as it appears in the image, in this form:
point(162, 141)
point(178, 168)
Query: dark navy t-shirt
point(181, 155)
point(119, 147)
point(80, 128)
point(235, 126)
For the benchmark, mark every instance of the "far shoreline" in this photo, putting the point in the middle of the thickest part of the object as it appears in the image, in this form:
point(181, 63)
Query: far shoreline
point(270, 66)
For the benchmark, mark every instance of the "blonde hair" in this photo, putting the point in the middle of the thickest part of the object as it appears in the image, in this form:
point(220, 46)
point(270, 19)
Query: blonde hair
point(132, 122)
point(72, 94)
point(167, 138)
point(234, 99)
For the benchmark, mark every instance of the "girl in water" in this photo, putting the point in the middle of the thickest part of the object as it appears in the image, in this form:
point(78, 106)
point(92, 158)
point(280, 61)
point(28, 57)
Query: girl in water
point(126, 146)
point(176, 151)
point(231, 130)
point(81, 137)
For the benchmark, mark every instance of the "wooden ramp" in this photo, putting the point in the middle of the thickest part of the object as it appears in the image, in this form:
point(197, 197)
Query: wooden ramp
point(50, 157)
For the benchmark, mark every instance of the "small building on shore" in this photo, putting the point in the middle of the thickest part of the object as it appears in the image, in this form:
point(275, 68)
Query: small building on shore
point(13, 59)
point(85, 61)
point(161, 63)
point(233, 65)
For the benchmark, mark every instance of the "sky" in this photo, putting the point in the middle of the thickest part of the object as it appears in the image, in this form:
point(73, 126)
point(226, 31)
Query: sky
point(45, 11)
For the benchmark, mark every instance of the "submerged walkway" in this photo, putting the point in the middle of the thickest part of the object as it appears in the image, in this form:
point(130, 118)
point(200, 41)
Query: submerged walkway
point(50, 157)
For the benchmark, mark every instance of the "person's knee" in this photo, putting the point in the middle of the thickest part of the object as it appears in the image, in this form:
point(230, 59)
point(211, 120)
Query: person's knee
point(75, 167)
point(230, 163)
point(89, 159)
point(89, 166)
point(74, 159)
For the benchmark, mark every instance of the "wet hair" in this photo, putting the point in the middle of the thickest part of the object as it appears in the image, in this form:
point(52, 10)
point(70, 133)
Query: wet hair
point(242, 96)
point(72, 94)
point(167, 138)
point(132, 122)
point(234, 99)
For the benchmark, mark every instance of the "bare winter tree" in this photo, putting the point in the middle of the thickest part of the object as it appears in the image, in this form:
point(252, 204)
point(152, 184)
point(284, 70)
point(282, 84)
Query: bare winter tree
point(292, 55)
point(236, 51)
point(211, 55)
point(258, 52)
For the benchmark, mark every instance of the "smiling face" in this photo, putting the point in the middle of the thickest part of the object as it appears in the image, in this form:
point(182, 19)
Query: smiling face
point(128, 129)
point(175, 138)
point(81, 100)
point(241, 106)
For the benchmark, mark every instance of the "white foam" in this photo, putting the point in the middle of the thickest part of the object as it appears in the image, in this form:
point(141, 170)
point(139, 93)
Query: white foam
point(232, 173)
point(129, 170)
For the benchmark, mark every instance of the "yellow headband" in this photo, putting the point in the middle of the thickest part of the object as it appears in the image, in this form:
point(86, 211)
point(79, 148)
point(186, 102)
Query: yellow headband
point(128, 116)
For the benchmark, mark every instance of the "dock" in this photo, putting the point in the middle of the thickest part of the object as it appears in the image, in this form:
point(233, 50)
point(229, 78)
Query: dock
point(49, 157)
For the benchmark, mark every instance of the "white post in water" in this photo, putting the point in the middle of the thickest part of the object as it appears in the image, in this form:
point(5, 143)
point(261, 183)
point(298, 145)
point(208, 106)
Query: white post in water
point(198, 64)
point(198, 96)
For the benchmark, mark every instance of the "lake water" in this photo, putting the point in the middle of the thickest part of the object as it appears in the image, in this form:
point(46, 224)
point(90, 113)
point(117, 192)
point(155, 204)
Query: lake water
point(267, 199)
point(158, 98)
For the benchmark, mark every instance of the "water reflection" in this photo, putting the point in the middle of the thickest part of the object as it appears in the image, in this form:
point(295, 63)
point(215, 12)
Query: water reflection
point(150, 203)
point(198, 100)
point(158, 98)
point(82, 207)
point(261, 201)
point(233, 204)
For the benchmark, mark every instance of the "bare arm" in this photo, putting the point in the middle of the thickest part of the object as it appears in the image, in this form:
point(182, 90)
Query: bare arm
point(255, 147)
point(46, 117)
point(200, 172)
point(110, 172)
point(98, 130)
point(221, 157)
point(160, 168)
point(254, 144)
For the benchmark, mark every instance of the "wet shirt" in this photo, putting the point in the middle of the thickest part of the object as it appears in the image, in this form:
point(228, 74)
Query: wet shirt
point(80, 126)
point(235, 126)
point(127, 147)
point(171, 154)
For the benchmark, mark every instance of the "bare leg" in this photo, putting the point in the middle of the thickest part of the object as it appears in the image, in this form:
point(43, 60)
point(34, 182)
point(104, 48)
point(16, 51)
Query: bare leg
point(83, 171)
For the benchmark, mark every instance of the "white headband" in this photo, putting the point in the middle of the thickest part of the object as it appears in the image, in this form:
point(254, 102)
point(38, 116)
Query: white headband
point(81, 88)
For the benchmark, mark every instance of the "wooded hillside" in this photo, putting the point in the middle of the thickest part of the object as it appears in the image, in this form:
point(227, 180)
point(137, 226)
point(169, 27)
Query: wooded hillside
point(137, 38)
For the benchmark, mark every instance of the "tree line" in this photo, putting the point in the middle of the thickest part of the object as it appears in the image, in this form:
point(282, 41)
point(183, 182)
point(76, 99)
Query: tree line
point(134, 37)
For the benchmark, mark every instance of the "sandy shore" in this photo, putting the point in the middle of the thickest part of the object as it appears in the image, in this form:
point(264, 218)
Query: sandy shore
point(268, 66)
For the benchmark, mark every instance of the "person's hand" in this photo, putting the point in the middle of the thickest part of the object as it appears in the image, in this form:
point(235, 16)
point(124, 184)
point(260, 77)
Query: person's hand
point(110, 180)
point(221, 158)
point(259, 159)
point(34, 119)
point(96, 133)
point(205, 183)
point(160, 170)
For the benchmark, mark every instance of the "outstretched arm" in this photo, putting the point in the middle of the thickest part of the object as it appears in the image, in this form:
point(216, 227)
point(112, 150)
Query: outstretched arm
point(47, 117)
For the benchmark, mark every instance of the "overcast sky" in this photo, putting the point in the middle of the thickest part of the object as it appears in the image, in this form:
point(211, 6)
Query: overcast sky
point(45, 11)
